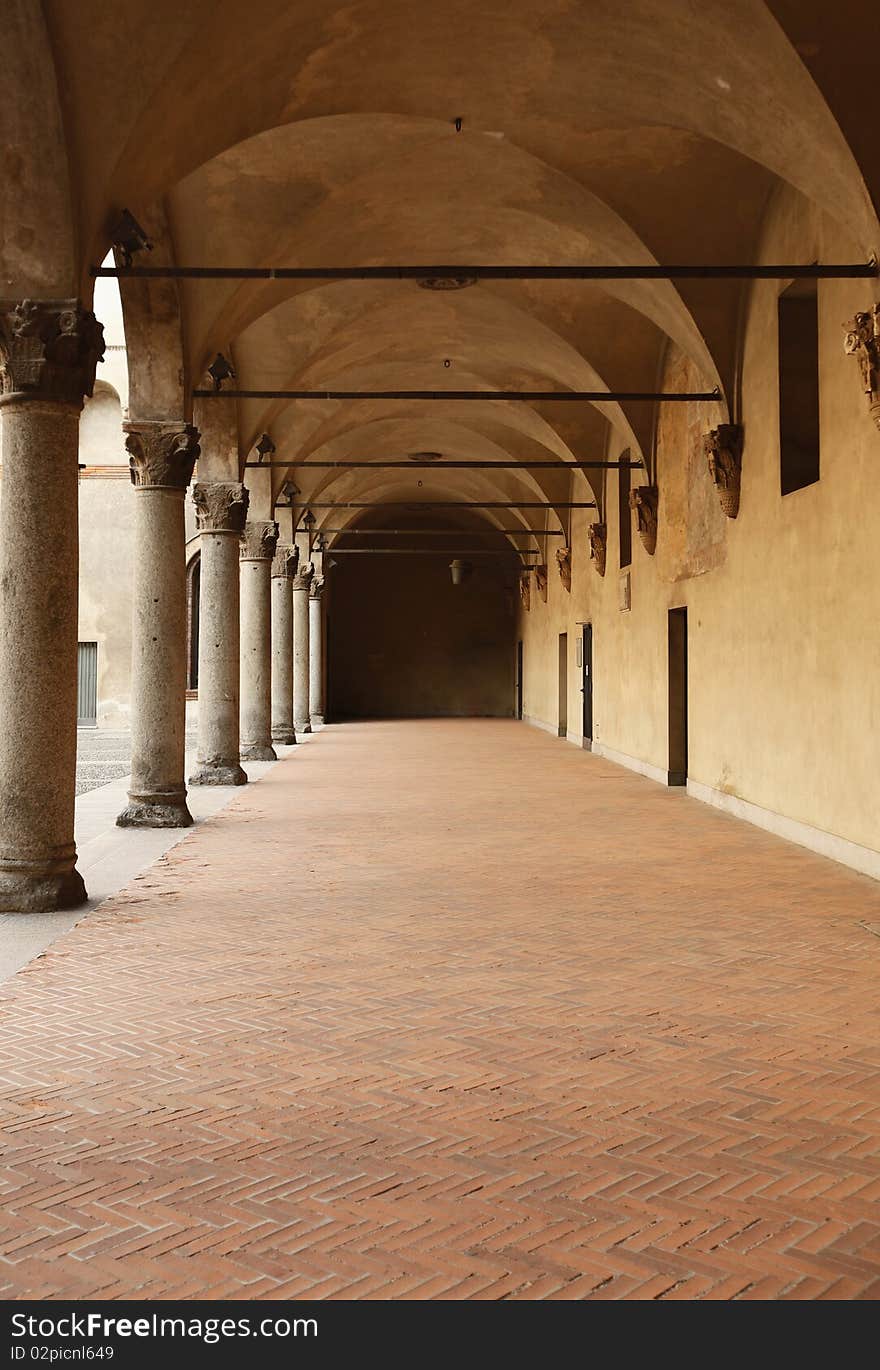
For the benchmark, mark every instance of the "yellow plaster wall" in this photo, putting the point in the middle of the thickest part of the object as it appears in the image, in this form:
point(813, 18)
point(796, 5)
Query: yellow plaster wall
point(784, 649)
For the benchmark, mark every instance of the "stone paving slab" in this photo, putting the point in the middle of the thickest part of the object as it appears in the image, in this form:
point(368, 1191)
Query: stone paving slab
point(451, 1009)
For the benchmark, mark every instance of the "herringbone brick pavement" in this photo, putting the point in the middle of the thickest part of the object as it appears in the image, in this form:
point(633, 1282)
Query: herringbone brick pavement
point(451, 1009)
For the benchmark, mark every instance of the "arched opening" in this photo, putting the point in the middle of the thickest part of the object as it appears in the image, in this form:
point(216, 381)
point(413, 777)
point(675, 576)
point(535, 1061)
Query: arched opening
point(405, 640)
point(193, 589)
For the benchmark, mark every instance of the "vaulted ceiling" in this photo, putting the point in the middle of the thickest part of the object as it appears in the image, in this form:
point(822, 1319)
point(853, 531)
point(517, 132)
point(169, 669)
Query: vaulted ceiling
point(274, 134)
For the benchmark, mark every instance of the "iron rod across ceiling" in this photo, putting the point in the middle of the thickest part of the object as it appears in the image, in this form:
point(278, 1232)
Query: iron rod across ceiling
point(429, 552)
point(460, 504)
point(446, 532)
point(410, 465)
point(530, 396)
point(633, 272)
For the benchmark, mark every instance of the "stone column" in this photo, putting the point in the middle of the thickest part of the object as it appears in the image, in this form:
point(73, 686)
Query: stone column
point(301, 584)
point(221, 510)
point(283, 570)
point(48, 354)
point(161, 458)
point(316, 652)
point(257, 549)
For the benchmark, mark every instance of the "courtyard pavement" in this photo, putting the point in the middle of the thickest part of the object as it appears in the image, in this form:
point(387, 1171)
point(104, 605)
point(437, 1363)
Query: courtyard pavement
point(452, 1009)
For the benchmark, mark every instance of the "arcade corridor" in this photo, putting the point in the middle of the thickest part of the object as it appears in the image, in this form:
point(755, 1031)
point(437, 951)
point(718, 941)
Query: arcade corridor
point(409, 1038)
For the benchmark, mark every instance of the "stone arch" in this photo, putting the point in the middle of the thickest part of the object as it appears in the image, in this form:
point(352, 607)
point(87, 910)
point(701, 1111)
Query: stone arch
point(100, 429)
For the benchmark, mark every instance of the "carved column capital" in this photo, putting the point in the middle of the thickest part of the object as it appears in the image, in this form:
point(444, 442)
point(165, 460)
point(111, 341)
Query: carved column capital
point(285, 562)
point(525, 589)
point(563, 561)
point(48, 351)
point(303, 578)
point(723, 447)
point(316, 589)
point(161, 455)
point(541, 580)
point(221, 506)
point(258, 541)
point(863, 342)
point(644, 499)
point(598, 534)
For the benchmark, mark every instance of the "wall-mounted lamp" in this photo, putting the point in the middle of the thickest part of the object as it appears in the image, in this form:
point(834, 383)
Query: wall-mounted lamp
point(221, 370)
point(460, 570)
point(265, 447)
point(128, 237)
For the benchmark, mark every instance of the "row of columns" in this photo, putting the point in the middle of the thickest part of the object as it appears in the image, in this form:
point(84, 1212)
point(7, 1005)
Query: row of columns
point(251, 634)
point(256, 672)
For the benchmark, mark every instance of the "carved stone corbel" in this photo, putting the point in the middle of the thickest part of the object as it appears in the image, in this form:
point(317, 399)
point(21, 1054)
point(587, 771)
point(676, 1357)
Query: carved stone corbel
point(723, 447)
point(221, 506)
point(258, 541)
point(285, 562)
point(161, 456)
point(541, 580)
point(563, 561)
point(644, 499)
point(598, 533)
point(525, 589)
point(48, 351)
point(863, 342)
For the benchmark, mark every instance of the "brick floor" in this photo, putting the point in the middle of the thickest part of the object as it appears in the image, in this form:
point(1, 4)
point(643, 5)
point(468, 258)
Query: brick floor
point(452, 1009)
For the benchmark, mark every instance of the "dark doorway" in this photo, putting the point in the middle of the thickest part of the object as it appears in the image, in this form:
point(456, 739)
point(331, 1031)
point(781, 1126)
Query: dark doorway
point(519, 679)
point(587, 684)
point(678, 697)
point(563, 684)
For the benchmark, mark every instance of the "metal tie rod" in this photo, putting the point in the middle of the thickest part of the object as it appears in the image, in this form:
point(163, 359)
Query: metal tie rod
point(429, 551)
point(530, 396)
point(463, 504)
point(633, 272)
point(410, 465)
point(447, 532)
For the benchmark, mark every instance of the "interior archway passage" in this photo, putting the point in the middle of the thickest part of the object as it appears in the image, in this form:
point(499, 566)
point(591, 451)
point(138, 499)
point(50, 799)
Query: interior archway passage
point(404, 641)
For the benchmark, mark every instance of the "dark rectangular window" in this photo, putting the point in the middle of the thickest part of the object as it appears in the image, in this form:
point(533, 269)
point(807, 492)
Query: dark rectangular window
point(624, 513)
point(798, 386)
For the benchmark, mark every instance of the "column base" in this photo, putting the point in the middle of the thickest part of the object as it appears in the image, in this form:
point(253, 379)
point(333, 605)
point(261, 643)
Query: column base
point(258, 751)
point(40, 891)
point(218, 773)
point(285, 736)
point(304, 727)
point(155, 811)
point(317, 720)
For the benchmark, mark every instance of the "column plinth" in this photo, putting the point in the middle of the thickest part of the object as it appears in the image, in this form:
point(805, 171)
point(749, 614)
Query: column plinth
point(161, 459)
point(221, 510)
point(301, 584)
point(283, 570)
point(48, 354)
point(257, 548)
point(316, 653)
